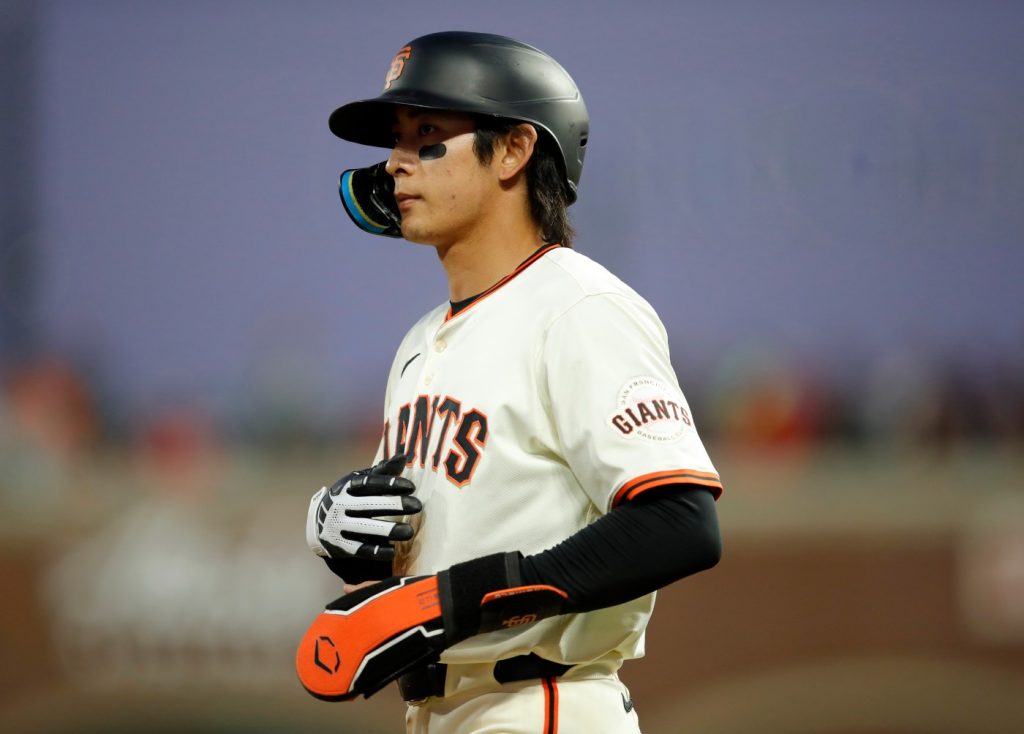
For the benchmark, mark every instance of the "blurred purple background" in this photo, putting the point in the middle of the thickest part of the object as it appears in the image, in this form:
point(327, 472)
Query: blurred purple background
point(834, 183)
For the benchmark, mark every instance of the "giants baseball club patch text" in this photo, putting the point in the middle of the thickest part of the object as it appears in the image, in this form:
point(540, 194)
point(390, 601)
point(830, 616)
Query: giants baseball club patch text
point(650, 409)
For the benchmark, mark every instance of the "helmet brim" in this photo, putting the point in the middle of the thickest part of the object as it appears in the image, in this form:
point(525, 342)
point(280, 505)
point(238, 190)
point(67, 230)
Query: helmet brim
point(371, 121)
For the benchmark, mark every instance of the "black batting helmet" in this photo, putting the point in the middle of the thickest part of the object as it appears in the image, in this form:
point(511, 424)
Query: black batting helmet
point(481, 74)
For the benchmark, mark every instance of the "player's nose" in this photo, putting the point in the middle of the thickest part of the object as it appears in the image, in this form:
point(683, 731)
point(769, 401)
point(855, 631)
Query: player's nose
point(401, 161)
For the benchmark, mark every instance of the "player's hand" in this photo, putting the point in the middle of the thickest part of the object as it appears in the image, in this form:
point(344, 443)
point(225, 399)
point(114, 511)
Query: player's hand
point(368, 638)
point(345, 519)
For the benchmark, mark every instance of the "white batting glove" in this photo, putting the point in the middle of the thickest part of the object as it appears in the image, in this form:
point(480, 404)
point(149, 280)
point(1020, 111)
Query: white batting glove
point(344, 519)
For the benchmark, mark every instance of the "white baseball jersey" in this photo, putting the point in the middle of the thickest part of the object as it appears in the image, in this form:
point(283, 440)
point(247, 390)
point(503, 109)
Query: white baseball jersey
point(526, 416)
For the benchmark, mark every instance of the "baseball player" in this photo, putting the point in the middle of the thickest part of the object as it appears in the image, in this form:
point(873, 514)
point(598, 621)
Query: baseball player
point(539, 475)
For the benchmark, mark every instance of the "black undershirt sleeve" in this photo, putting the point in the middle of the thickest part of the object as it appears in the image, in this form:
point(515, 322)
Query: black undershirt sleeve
point(357, 570)
point(638, 547)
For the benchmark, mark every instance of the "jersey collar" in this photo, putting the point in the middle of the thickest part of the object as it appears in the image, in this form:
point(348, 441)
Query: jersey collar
point(522, 266)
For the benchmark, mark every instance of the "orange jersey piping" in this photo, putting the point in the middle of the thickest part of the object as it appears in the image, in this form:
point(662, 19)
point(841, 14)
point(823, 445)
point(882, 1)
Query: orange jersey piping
point(550, 705)
point(633, 488)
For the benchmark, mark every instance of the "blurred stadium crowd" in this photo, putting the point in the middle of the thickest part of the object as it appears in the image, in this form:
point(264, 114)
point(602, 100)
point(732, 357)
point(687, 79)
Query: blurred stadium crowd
point(55, 414)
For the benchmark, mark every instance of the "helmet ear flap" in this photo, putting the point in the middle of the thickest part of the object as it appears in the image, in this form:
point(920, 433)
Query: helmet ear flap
point(368, 197)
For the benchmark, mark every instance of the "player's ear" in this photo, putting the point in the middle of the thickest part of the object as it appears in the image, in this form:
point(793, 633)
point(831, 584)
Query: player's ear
point(516, 149)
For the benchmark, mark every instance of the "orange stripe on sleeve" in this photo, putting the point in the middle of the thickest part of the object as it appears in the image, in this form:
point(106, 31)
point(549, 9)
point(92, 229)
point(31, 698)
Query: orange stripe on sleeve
point(502, 593)
point(635, 487)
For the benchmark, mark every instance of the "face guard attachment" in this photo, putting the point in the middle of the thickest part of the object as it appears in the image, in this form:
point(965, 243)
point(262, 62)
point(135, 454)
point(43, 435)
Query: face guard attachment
point(368, 195)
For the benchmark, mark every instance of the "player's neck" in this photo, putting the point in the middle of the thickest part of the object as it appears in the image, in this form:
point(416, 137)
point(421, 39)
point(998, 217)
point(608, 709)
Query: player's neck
point(476, 262)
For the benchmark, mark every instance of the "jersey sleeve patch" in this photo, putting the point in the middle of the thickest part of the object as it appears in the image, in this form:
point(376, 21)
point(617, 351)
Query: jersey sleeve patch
point(649, 410)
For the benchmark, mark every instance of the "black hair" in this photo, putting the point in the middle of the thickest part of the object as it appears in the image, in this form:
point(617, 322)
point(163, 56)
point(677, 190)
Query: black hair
point(545, 181)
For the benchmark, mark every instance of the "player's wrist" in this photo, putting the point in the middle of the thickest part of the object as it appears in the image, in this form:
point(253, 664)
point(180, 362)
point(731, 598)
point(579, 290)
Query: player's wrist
point(488, 594)
point(359, 570)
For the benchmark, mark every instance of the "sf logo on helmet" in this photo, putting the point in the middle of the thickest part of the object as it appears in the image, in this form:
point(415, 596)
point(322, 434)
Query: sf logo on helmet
point(397, 66)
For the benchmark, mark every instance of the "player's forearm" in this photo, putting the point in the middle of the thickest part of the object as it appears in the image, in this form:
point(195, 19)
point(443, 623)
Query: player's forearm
point(373, 634)
point(635, 549)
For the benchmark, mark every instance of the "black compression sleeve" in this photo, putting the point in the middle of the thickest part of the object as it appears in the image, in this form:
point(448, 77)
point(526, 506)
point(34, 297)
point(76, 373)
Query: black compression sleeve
point(643, 545)
point(358, 570)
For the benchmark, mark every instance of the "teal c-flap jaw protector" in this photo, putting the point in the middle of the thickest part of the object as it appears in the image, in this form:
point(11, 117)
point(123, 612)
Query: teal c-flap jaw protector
point(369, 200)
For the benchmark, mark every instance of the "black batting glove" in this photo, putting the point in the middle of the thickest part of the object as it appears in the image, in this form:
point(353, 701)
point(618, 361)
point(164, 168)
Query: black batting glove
point(346, 520)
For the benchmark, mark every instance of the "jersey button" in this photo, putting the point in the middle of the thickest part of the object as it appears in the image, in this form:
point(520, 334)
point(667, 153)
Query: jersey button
point(440, 345)
point(427, 380)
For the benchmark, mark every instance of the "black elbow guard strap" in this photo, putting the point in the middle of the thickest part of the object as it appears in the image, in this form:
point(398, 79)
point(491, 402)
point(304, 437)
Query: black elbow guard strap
point(487, 594)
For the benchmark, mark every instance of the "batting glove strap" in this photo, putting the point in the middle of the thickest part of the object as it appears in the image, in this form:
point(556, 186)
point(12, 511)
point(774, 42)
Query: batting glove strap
point(487, 594)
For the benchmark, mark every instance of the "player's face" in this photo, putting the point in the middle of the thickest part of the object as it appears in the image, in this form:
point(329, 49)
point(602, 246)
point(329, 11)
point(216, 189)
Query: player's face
point(441, 187)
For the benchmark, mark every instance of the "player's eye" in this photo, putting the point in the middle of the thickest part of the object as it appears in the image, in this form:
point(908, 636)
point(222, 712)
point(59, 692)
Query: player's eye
point(422, 130)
